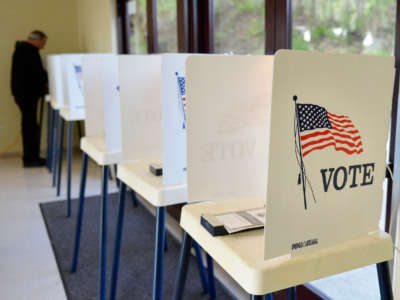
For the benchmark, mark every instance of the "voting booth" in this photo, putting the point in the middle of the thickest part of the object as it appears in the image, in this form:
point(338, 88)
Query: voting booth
point(73, 89)
point(102, 107)
point(65, 81)
point(102, 142)
point(54, 69)
point(317, 124)
point(153, 111)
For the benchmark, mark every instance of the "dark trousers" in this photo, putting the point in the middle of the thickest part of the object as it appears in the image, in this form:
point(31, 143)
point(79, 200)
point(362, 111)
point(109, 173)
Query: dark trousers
point(30, 127)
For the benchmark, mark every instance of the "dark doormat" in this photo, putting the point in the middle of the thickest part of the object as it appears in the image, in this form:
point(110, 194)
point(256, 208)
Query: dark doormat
point(137, 253)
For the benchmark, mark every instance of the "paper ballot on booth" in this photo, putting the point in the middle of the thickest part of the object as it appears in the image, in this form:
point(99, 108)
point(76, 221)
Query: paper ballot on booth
point(330, 118)
point(228, 117)
point(141, 108)
point(54, 70)
point(174, 104)
point(72, 81)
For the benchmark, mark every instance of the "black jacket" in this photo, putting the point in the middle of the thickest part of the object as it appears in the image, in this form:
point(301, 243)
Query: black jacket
point(28, 77)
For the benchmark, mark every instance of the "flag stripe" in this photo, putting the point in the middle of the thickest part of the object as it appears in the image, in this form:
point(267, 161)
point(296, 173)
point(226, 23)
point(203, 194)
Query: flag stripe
point(325, 132)
point(336, 116)
point(336, 148)
point(350, 144)
point(339, 120)
point(342, 126)
point(346, 131)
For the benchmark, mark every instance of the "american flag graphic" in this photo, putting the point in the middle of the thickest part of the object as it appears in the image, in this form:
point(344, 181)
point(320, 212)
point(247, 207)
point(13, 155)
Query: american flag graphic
point(182, 97)
point(78, 74)
point(320, 129)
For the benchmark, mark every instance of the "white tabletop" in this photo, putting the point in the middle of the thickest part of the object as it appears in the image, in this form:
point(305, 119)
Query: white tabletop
point(242, 255)
point(55, 105)
point(137, 176)
point(95, 148)
point(72, 115)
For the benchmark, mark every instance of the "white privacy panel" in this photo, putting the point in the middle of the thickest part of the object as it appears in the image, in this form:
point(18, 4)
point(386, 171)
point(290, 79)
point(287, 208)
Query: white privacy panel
point(174, 101)
point(54, 70)
point(141, 108)
point(228, 117)
point(330, 118)
point(72, 81)
point(112, 111)
point(94, 95)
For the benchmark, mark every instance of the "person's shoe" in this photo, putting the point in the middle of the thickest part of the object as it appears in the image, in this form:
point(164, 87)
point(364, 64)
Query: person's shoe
point(40, 162)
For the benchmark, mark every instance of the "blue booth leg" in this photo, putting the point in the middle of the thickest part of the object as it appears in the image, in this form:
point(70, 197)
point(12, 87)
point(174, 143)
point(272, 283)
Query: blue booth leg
point(69, 161)
point(183, 266)
point(200, 266)
point(117, 181)
point(291, 293)
point(118, 239)
point(256, 297)
point(80, 213)
point(269, 297)
point(60, 157)
point(159, 253)
point(103, 231)
point(134, 198)
point(55, 142)
point(385, 285)
point(48, 135)
point(211, 280)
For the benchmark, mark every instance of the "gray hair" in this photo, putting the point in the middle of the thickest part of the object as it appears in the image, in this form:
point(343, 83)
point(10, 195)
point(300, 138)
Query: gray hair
point(37, 35)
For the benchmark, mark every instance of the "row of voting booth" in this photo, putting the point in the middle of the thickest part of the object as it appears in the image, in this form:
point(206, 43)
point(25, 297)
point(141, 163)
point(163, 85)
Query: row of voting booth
point(301, 136)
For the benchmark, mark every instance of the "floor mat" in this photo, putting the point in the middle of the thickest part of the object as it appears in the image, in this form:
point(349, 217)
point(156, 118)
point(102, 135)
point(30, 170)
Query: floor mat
point(137, 253)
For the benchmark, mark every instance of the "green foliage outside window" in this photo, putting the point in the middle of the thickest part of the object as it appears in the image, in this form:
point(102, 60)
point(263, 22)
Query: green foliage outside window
point(351, 26)
point(239, 26)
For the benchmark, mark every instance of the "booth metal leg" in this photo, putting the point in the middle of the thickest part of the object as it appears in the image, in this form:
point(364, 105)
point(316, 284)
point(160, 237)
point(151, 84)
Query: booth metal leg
point(103, 231)
point(60, 157)
point(118, 240)
point(159, 253)
point(385, 285)
point(41, 120)
point(291, 293)
point(80, 213)
point(183, 266)
point(134, 198)
point(200, 266)
point(117, 181)
point(69, 161)
point(211, 279)
point(54, 147)
point(48, 135)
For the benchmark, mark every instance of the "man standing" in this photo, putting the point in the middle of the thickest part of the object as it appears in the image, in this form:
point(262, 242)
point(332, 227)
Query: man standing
point(28, 84)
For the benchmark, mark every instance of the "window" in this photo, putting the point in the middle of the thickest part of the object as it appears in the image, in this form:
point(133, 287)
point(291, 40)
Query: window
point(239, 26)
point(167, 26)
point(138, 32)
point(351, 26)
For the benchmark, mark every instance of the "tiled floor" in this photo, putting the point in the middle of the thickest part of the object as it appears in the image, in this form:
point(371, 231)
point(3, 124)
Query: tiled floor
point(28, 268)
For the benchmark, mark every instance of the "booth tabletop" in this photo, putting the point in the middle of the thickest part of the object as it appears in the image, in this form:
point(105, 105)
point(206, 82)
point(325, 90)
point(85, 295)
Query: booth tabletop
point(242, 254)
point(72, 115)
point(95, 148)
point(55, 105)
point(137, 176)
